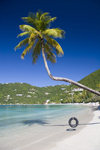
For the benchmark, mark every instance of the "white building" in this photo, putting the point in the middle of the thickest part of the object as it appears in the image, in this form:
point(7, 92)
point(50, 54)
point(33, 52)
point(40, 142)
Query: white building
point(8, 97)
point(47, 93)
point(61, 99)
point(77, 90)
point(29, 96)
point(19, 94)
point(47, 101)
point(29, 92)
point(66, 91)
point(63, 88)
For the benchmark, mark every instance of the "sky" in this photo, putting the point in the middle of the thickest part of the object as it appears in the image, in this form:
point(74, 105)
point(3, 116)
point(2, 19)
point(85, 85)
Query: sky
point(81, 45)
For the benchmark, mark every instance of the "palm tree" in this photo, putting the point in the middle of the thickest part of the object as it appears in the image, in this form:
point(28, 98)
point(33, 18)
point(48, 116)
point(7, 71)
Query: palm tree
point(40, 37)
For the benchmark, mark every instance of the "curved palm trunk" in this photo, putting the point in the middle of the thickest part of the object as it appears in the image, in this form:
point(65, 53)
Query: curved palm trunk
point(66, 79)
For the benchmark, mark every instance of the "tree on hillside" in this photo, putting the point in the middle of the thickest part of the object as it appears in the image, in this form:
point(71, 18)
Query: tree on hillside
point(40, 37)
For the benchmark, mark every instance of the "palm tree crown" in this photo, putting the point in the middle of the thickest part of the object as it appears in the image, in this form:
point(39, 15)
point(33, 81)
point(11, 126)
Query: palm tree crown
point(38, 35)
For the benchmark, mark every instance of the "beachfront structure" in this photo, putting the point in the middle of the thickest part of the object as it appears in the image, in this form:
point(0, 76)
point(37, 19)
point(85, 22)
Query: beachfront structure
point(47, 101)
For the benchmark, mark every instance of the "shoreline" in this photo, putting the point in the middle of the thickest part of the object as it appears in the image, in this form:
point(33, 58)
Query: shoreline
point(85, 104)
point(46, 136)
point(86, 139)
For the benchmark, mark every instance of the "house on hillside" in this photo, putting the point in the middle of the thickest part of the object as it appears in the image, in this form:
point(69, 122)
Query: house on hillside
point(77, 90)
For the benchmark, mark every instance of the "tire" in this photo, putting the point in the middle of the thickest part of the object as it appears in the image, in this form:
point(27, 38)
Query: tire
point(73, 125)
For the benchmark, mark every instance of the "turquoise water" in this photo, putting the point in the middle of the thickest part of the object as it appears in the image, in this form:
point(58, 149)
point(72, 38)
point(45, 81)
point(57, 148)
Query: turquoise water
point(12, 116)
point(31, 126)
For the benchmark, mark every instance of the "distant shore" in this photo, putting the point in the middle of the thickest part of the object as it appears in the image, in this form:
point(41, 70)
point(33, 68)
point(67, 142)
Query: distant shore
point(86, 104)
point(92, 105)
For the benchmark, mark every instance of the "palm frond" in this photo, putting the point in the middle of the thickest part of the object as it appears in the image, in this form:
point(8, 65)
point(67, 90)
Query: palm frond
point(38, 14)
point(56, 32)
point(29, 20)
point(32, 37)
point(47, 47)
point(51, 58)
point(55, 45)
point(49, 54)
point(43, 15)
point(37, 28)
point(22, 43)
point(29, 47)
point(36, 51)
point(52, 19)
point(22, 34)
point(28, 28)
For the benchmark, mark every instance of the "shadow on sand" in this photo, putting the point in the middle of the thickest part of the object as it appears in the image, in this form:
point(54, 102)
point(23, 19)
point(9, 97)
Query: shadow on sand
point(42, 122)
point(92, 123)
point(81, 124)
point(32, 122)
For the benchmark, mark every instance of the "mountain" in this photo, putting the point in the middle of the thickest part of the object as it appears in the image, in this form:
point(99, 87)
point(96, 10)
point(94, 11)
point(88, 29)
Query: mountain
point(23, 93)
point(92, 80)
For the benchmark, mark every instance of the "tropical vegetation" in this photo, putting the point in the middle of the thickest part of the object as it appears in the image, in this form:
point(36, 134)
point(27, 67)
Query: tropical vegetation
point(22, 93)
point(39, 37)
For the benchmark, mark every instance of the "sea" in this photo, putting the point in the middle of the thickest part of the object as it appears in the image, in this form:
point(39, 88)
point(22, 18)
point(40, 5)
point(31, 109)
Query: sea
point(24, 127)
point(19, 116)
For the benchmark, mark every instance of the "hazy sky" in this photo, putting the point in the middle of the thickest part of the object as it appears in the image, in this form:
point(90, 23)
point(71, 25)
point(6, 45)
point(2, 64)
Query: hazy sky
point(81, 21)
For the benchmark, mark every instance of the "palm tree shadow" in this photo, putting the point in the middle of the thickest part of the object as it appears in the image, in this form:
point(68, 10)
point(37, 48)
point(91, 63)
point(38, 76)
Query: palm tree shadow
point(42, 122)
point(80, 124)
point(32, 122)
point(58, 125)
point(92, 123)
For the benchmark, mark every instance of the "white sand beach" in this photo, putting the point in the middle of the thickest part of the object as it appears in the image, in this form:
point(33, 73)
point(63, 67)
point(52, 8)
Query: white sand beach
point(87, 139)
point(56, 135)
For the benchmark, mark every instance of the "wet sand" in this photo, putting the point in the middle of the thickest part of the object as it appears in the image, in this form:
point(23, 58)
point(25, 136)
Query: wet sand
point(55, 136)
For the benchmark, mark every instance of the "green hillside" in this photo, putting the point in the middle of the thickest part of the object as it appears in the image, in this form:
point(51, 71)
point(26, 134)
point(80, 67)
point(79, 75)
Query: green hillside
point(92, 80)
point(14, 93)
point(22, 93)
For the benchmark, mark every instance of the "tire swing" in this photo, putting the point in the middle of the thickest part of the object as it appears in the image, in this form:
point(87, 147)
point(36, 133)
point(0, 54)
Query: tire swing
point(75, 124)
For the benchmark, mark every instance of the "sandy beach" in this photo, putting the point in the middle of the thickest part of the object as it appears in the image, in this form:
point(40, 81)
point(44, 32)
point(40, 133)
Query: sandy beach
point(57, 136)
point(87, 139)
